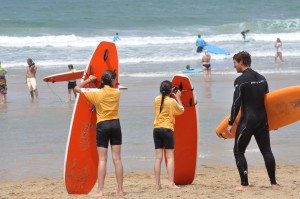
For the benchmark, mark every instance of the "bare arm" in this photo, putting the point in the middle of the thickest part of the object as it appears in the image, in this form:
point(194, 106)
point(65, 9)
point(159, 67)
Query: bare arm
point(91, 78)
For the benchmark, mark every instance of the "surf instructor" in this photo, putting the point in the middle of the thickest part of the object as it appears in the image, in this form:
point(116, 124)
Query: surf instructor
point(249, 94)
point(106, 100)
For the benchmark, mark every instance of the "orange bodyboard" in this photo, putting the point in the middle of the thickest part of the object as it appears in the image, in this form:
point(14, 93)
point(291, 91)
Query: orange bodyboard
point(185, 133)
point(81, 158)
point(61, 77)
point(283, 108)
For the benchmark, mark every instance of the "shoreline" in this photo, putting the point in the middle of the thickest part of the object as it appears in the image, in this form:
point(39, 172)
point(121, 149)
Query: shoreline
point(210, 182)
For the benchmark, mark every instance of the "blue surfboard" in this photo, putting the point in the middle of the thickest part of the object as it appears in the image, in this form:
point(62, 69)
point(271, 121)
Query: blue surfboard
point(196, 70)
point(216, 50)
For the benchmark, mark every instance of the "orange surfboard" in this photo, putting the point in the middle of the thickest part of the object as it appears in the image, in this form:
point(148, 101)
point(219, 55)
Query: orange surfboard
point(185, 133)
point(283, 108)
point(81, 158)
point(61, 77)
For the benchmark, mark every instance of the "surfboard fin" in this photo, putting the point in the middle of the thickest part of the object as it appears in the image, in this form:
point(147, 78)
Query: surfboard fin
point(105, 55)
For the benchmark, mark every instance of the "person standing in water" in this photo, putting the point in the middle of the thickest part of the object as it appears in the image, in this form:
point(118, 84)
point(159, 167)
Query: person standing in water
point(71, 83)
point(249, 95)
point(31, 79)
point(106, 100)
point(116, 37)
point(3, 85)
point(200, 43)
point(278, 46)
point(163, 134)
point(206, 65)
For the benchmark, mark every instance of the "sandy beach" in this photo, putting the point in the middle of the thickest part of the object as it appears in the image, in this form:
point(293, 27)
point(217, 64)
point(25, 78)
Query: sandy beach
point(210, 182)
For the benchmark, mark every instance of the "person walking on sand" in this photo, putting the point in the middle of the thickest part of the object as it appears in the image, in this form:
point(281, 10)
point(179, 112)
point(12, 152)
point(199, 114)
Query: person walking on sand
point(206, 65)
point(278, 46)
point(106, 100)
point(3, 85)
point(71, 83)
point(163, 134)
point(31, 79)
point(249, 95)
point(200, 43)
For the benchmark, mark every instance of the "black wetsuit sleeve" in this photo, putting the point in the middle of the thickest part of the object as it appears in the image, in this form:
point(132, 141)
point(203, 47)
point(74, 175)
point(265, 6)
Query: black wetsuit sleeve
point(236, 102)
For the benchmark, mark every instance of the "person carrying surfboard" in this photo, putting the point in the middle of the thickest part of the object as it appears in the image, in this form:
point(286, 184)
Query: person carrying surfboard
point(106, 100)
point(200, 43)
point(163, 134)
point(249, 94)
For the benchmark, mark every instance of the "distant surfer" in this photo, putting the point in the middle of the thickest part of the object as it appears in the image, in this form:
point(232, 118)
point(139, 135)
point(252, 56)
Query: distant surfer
point(278, 46)
point(30, 79)
point(188, 67)
point(206, 65)
point(244, 32)
point(248, 98)
point(200, 43)
point(163, 134)
point(71, 83)
point(116, 37)
point(3, 85)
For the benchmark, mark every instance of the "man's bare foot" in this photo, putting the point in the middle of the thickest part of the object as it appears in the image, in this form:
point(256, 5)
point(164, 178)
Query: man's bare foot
point(275, 186)
point(158, 187)
point(120, 193)
point(98, 194)
point(173, 186)
point(241, 188)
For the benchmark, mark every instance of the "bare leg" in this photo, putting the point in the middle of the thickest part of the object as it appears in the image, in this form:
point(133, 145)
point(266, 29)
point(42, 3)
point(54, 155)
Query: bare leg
point(205, 74)
point(102, 153)
point(32, 96)
point(36, 94)
point(157, 167)
point(280, 56)
point(209, 73)
point(69, 94)
point(1, 98)
point(170, 168)
point(116, 156)
point(74, 94)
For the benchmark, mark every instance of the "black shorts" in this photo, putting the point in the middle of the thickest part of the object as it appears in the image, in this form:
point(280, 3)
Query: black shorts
point(109, 130)
point(71, 85)
point(199, 49)
point(163, 138)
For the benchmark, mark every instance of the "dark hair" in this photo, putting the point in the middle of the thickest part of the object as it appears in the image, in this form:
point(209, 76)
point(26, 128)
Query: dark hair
point(70, 66)
point(31, 61)
point(165, 90)
point(107, 77)
point(243, 56)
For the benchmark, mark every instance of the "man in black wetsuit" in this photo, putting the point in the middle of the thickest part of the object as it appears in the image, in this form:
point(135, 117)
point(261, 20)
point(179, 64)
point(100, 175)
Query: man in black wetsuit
point(250, 90)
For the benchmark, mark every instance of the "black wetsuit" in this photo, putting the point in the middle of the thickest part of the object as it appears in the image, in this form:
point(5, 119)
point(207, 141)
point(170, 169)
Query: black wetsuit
point(250, 89)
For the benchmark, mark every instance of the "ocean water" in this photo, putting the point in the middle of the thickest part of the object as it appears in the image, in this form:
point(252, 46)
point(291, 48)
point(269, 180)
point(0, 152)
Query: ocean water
point(157, 41)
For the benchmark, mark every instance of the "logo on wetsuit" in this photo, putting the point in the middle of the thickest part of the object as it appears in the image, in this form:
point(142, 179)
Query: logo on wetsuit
point(259, 82)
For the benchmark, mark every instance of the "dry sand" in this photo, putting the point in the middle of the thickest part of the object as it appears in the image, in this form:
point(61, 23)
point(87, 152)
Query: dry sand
point(210, 182)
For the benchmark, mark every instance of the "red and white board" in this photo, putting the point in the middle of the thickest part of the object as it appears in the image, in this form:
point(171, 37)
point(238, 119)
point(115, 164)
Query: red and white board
point(62, 77)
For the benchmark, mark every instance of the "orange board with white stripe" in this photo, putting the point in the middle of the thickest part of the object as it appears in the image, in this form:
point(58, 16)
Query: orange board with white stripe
point(81, 158)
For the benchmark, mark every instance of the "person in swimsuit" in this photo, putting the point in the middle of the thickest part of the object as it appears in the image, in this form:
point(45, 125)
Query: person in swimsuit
point(244, 32)
point(106, 100)
point(206, 65)
point(249, 94)
point(71, 83)
point(116, 37)
point(3, 85)
point(31, 79)
point(278, 46)
point(163, 134)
